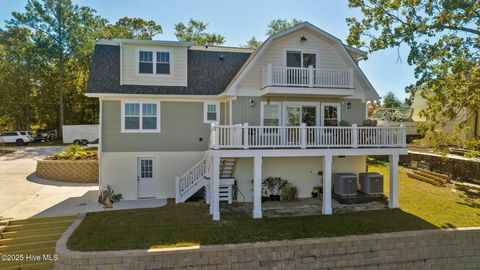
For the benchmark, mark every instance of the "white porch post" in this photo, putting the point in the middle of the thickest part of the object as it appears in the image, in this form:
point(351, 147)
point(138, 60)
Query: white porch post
point(215, 187)
point(257, 187)
point(327, 185)
point(393, 201)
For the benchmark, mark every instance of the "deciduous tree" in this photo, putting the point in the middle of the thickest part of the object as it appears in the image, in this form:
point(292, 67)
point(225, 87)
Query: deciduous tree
point(194, 31)
point(443, 37)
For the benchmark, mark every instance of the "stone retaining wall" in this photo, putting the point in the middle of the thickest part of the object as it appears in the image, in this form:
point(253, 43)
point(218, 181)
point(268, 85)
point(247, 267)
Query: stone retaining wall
point(79, 171)
point(458, 168)
point(428, 249)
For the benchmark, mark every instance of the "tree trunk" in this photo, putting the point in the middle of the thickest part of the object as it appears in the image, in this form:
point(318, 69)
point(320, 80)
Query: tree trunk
point(60, 94)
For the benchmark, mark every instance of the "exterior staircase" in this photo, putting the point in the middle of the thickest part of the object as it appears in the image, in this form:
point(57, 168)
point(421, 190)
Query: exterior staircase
point(35, 237)
point(198, 177)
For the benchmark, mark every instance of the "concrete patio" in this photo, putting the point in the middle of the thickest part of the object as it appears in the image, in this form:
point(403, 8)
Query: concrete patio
point(304, 207)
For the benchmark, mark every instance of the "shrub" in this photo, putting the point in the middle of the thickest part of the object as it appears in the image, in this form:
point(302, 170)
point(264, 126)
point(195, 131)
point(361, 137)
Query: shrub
point(76, 152)
point(289, 192)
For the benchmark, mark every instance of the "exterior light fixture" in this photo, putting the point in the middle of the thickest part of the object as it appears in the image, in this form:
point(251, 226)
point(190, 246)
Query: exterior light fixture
point(252, 103)
point(349, 105)
point(303, 39)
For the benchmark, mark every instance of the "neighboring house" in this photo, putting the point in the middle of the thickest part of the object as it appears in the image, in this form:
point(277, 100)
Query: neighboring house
point(472, 118)
point(176, 117)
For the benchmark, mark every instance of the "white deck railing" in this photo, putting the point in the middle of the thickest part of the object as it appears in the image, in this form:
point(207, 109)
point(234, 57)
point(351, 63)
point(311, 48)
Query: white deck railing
point(306, 77)
point(248, 137)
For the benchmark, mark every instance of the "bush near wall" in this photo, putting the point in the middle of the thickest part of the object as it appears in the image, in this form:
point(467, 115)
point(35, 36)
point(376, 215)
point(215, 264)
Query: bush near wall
point(78, 171)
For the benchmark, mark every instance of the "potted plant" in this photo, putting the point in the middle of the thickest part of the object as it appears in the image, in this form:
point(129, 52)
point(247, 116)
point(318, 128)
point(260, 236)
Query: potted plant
point(269, 184)
point(315, 191)
point(280, 184)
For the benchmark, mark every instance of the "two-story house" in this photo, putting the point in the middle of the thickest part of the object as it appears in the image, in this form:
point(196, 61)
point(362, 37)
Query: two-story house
point(176, 117)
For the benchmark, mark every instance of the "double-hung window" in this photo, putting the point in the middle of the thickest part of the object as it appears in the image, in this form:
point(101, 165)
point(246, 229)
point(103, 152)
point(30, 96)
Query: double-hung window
point(145, 65)
point(140, 117)
point(154, 62)
point(211, 112)
point(163, 63)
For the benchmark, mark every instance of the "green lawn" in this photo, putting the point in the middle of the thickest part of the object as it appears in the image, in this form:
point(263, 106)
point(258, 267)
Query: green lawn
point(423, 206)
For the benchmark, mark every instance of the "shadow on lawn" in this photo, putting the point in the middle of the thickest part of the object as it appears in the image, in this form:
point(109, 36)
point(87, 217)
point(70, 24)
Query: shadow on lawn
point(190, 224)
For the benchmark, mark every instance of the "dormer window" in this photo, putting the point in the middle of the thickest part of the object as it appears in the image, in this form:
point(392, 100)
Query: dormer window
point(154, 62)
point(163, 63)
point(146, 62)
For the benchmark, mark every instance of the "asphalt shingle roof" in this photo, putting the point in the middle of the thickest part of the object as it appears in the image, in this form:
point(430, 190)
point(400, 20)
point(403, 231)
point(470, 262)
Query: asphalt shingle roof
point(207, 73)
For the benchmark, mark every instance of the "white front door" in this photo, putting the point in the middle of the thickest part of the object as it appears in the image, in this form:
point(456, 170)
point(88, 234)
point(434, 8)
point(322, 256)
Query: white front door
point(146, 186)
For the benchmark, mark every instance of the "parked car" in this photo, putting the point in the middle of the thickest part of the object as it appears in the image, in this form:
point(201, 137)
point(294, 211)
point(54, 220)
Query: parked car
point(17, 137)
point(43, 135)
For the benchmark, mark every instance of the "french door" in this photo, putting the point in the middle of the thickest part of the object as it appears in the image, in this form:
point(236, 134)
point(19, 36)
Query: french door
point(295, 115)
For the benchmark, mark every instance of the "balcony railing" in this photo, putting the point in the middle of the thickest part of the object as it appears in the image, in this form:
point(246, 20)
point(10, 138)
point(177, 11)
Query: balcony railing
point(306, 77)
point(302, 137)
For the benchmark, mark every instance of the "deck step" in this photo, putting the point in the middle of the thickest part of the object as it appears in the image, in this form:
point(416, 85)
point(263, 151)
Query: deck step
point(36, 226)
point(30, 239)
point(31, 266)
point(442, 181)
point(423, 179)
point(23, 233)
point(42, 220)
point(27, 246)
point(436, 174)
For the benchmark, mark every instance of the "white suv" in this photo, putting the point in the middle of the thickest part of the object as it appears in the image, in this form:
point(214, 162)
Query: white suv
point(17, 137)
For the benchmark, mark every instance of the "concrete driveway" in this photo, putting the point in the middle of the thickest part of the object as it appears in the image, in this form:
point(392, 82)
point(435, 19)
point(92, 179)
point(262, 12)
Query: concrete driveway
point(24, 195)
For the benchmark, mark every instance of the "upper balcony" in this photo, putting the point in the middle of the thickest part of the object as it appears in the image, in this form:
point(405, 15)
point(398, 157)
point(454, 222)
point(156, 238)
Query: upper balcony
point(299, 80)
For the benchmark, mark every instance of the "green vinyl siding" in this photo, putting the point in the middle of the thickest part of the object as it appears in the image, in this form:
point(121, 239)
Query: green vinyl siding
point(243, 113)
point(181, 129)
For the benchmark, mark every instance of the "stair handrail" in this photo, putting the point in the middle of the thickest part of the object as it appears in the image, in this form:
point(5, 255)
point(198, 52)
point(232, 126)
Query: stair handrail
point(196, 172)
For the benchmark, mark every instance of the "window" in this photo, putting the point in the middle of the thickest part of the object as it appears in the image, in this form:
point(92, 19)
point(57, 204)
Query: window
point(301, 59)
point(330, 114)
point(271, 114)
point(149, 116)
point(211, 112)
point(163, 63)
point(140, 117)
point(145, 62)
point(154, 62)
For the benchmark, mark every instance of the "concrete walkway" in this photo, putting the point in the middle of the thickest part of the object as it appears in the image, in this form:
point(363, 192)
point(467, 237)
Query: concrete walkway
point(23, 195)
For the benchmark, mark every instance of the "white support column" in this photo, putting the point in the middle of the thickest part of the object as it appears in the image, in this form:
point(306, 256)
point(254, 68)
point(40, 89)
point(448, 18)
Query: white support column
point(327, 185)
point(215, 186)
point(393, 201)
point(257, 187)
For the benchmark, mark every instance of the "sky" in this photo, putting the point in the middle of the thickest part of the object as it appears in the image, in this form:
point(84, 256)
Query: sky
point(239, 20)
